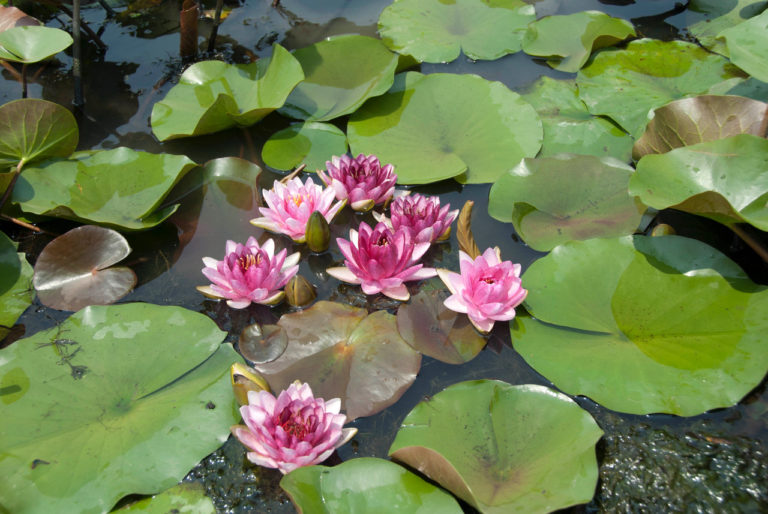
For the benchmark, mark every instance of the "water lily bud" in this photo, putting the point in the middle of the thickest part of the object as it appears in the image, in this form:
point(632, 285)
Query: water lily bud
point(662, 229)
point(318, 233)
point(299, 292)
point(245, 379)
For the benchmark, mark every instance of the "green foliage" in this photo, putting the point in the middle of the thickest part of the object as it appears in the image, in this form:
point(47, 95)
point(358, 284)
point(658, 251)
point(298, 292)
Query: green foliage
point(718, 15)
point(16, 292)
point(185, 497)
point(32, 43)
point(747, 45)
point(310, 143)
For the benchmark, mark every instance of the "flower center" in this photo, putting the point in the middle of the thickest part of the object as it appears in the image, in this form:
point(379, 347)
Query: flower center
point(382, 240)
point(246, 261)
point(296, 428)
point(298, 200)
point(488, 280)
point(360, 172)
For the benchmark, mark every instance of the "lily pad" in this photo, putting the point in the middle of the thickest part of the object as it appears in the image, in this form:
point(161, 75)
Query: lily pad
point(503, 448)
point(310, 143)
point(364, 485)
point(185, 497)
point(627, 84)
point(32, 43)
point(645, 324)
point(568, 125)
point(341, 73)
point(31, 130)
point(344, 353)
point(431, 328)
point(120, 187)
point(718, 15)
point(214, 95)
point(13, 17)
point(150, 389)
point(551, 200)
point(699, 119)
point(437, 31)
point(73, 271)
point(725, 179)
point(438, 126)
point(747, 45)
point(568, 40)
point(16, 292)
point(262, 344)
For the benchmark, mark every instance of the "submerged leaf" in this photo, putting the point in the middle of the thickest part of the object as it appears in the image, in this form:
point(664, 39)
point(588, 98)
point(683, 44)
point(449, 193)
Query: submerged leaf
point(262, 344)
point(184, 497)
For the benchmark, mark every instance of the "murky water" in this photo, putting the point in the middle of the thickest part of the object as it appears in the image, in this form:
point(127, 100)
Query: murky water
point(714, 462)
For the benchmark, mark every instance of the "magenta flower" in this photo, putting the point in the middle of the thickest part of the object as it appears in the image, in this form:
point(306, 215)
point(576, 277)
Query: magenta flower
point(381, 259)
point(292, 431)
point(487, 290)
point(362, 181)
point(249, 273)
point(290, 205)
point(423, 216)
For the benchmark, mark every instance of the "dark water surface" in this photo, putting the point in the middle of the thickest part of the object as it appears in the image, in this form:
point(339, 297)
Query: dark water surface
point(715, 462)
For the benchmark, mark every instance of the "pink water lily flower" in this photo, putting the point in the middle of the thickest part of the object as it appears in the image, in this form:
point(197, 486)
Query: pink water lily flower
point(423, 216)
point(249, 273)
point(293, 430)
point(381, 259)
point(487, 290)
point(290, 205)
point(362, 181)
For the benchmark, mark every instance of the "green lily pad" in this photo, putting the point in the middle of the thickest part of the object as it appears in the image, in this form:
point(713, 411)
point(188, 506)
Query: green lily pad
point(214, 95)
point(748, 45)
point(120, 187)
point(116, 400)
point(725, 179)
point(551, 200)
point(645, 324)
point(341, 73)
point(32, 43)
point(364, 485)
point(719, 15)
point(699, 119)
point(627, 84)
point(185, 497)
point(310, 143)
point(10, 266)
point(568, 125)
point(16, 291)
point(568, 40)
point(503, 448)
point(437, 31)
point(31, 130)
point(438, 126)
point(344, 353)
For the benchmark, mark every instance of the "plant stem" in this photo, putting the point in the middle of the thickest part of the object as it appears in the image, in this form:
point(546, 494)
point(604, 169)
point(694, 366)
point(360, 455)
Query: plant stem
point(216, 21)
point(21, 223)
point(751, 241)
point(24, 80)
point(77, 73)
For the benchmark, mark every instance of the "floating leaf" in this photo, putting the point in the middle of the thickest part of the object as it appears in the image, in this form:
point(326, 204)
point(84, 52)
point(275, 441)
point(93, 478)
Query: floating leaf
point(342, 353)
point(120, 187)
point(551, 200)
point(116, 400)
point(32, 43)
point(185, 497)
point(627, 84)
point(13, 17)
point(725, 180)
point(699, 119)
point(433, 127)
point(73, 271)
point(748, 45)
point(364, 485)
point(16, 292)
point(262, 344)
point(309, 143)
point(433, 329)
point(341, 72)
point(568, 125)
point(718, 16)
point(568, 40)
point(503, 448)
point(645, 324)
point(437, 31)
point(214, 95)
point(31, 130)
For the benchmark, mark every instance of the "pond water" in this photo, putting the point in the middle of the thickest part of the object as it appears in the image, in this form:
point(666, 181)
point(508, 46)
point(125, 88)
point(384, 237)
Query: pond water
point(713, 462)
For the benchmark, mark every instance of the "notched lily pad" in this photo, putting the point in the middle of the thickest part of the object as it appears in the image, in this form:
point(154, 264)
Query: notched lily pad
point(503, 448)
point(344, 353)
point(32, 43)
point(551, 200)
point(699, 119)
point(438, 126)
point(437, 31)
point(74, 271)
point(433, 329)
point(309, 143)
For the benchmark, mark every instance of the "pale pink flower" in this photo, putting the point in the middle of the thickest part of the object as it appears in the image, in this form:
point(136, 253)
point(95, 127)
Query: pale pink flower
point(362, 181)
point(423, 216)
point(293, 430)
point(381, 259)
point(487, 290)
point(290, 205)
point(249, 273)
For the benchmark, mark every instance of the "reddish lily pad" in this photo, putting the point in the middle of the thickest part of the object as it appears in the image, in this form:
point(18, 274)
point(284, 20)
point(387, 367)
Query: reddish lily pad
point(344, 353)
point(73, 271)
point(433, 329)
